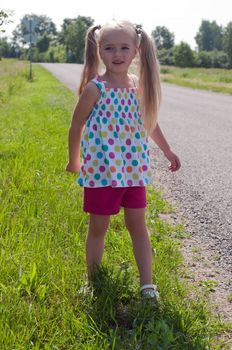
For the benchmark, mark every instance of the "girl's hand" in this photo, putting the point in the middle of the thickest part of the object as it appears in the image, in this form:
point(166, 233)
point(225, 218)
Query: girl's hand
point(73, 168)
point(174, 161)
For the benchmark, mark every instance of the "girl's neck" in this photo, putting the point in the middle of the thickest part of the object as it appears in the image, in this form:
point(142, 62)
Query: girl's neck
point(119, 80)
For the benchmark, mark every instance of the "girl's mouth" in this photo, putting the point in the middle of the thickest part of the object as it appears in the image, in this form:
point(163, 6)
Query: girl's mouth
point(118, 62)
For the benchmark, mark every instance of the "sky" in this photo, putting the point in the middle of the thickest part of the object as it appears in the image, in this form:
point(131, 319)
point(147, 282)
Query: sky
point(181, 17)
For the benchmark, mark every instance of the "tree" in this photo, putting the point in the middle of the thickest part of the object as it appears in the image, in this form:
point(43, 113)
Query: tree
point(73, 36)
point(209, 36)
point(227, 42)
point(4, 19)
point(64, 30)
point(5, 48)
point(45, 26)
point(183, 55)
point(164, 39)
point(43, 42)
point(45, 30)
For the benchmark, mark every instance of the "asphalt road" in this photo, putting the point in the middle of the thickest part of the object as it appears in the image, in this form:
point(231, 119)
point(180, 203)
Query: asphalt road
point(198, 126)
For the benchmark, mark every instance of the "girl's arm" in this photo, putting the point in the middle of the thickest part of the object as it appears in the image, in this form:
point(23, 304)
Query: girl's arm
point(81, 112)
point(162, 143)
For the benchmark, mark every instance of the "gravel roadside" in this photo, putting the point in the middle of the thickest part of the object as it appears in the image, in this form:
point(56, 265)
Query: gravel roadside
point(202, 258)
point(198, 126)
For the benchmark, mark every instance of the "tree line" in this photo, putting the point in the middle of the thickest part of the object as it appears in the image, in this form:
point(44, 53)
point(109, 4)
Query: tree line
point(213, 43)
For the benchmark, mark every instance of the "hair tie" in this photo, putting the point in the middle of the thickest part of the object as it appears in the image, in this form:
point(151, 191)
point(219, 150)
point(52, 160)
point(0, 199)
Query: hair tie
point(138, 30)
point(97, 27)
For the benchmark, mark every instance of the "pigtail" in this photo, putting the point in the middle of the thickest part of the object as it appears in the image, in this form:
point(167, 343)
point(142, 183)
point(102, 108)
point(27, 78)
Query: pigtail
point(91, 58)
point(149, 81)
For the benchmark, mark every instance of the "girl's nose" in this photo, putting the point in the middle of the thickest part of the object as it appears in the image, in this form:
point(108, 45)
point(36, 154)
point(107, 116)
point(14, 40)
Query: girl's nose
point(117, 52)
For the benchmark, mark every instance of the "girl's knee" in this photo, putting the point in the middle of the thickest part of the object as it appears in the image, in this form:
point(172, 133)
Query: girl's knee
point(98, 224)
point(135, 220)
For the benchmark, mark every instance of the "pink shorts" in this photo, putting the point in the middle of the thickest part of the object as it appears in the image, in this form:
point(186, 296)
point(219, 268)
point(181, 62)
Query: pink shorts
point(108, 200)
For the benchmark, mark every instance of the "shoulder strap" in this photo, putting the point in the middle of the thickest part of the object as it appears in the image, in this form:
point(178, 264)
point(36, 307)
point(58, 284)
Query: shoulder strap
point(99, 84)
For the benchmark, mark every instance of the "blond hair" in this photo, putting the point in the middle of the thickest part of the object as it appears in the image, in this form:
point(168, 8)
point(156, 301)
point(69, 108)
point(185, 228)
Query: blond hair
point(149, 89)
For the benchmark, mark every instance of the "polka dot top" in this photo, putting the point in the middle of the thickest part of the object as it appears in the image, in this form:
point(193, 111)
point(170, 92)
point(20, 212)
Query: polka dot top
point(114, 143)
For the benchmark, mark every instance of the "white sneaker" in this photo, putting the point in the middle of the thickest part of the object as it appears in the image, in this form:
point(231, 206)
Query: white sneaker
point(149, 291)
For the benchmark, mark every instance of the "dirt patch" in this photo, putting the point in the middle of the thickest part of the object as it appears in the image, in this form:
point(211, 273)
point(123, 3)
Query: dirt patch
point(203, 269)
point(211, 279)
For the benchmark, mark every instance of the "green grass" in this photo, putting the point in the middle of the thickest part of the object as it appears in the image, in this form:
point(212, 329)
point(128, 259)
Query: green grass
point(44, 301)
point(218, 80)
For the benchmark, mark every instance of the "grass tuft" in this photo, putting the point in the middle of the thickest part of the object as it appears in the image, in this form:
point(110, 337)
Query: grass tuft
point(212, 79)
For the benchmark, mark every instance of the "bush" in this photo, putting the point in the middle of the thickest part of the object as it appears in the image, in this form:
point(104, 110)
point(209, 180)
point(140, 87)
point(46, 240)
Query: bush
point(165, 57)
point(212, 59)
point(220, 59)
point(204, 59)
point(183, 55)
point(53, 54)
point(56, 54)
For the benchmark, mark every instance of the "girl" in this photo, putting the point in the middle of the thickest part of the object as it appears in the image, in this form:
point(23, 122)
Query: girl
point(119, 112)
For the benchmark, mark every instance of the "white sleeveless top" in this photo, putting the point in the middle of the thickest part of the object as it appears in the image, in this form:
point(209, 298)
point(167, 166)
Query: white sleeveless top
point(114, 142)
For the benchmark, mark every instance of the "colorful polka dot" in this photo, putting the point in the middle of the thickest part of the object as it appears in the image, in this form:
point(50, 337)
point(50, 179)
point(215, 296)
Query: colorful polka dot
point(105, 148)
point(111, 155)
point(117, 148)
point(103, 134)
point(102, 168)
point(99, 155)
point(114, 183)
point(135, 162)
point(113, 169)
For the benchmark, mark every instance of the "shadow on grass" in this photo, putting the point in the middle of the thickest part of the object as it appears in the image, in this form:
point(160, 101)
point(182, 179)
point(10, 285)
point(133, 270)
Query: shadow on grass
point(5, 155)
point(117, 313)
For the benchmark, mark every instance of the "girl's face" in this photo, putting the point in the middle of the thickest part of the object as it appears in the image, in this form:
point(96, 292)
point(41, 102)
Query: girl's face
point(117, 49)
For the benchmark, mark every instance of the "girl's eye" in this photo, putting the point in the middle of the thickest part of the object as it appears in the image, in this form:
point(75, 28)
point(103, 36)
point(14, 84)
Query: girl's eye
point(125, 48)
point(108, 48)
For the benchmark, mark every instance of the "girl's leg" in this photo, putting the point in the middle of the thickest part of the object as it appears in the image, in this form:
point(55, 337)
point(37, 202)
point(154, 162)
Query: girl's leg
point(98, 225)
point(136, 225)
